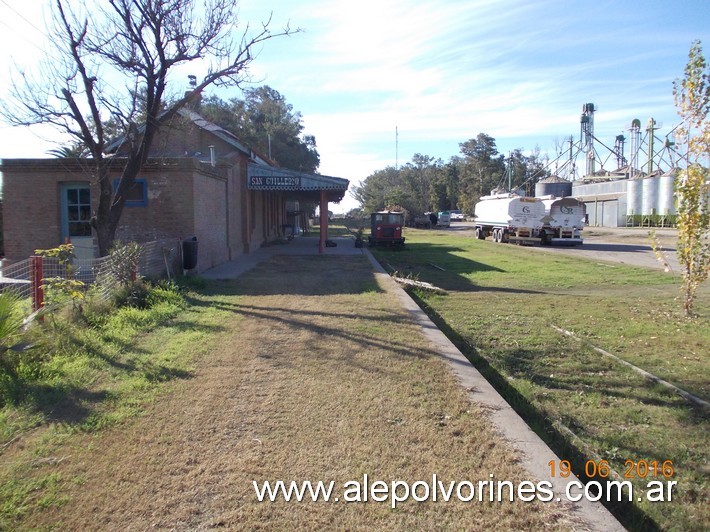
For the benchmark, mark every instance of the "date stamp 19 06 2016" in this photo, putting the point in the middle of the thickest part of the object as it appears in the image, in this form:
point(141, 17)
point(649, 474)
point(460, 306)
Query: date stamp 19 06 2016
point(602, 469)
point(654, 472)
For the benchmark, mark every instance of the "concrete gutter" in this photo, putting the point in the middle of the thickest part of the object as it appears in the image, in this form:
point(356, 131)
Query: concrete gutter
point(534, 453)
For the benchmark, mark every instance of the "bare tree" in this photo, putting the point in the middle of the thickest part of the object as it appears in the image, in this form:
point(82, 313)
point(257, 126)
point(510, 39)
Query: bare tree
point(113, 63)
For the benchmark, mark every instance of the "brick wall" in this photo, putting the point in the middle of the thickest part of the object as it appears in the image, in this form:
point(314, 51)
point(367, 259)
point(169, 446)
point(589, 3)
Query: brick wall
point(210, 204)
point(31, 203)
point(170, 211)
point(185, 197)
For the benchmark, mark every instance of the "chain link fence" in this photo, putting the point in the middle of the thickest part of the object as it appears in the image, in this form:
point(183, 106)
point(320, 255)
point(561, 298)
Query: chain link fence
point(153, 260)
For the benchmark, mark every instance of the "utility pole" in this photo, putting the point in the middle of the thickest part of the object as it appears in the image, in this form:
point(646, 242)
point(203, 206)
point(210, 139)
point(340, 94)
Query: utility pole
point(396, 148)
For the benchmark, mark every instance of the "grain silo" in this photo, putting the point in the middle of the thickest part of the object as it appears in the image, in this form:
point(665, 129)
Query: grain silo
point(634, 202)
point(666, 198)
point(649, 199)
point(553, 186)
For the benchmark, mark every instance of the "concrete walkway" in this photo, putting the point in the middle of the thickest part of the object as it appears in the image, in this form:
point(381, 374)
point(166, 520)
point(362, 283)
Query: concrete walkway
point(535, 455)
point(305, 245)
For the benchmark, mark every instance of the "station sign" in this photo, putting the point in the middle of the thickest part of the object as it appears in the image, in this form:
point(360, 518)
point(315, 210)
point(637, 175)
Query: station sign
point(271, 182)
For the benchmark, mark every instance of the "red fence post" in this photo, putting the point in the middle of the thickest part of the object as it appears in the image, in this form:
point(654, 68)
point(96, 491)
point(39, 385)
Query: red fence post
point(36, 275)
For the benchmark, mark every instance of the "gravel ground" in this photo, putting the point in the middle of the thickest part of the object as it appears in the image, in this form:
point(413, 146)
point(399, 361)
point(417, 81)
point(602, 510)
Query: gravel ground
point(625, 245)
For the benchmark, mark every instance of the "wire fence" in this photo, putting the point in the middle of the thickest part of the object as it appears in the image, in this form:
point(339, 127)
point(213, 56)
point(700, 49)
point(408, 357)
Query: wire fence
point(157, 259)
point(16, 277)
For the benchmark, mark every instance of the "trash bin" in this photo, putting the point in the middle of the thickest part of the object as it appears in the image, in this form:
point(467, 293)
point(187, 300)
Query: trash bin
point(189, 253)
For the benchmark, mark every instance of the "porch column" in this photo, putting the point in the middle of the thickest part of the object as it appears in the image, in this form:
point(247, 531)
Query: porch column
point(323, 220)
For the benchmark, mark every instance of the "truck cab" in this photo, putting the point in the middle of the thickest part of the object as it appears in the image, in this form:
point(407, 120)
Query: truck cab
point(386, 228)
point(444, 219)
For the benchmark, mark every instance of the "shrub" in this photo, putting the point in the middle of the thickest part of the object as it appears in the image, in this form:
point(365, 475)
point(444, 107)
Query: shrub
point(133, 294)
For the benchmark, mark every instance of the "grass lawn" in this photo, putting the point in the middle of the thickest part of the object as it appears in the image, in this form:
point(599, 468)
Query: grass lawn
point(500, 304)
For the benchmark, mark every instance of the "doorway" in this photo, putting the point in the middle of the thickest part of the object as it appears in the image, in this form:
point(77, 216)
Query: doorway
point(76, 219)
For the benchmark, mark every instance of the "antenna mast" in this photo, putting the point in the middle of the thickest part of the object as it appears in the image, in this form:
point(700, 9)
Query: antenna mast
point(396, 148)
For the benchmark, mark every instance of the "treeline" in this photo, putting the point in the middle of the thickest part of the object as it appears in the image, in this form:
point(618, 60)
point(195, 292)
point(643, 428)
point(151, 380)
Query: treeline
point(428, 184)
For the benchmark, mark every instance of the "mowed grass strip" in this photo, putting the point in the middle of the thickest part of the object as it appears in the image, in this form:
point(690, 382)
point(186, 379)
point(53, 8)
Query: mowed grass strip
point(500, 304)
point(313, 372)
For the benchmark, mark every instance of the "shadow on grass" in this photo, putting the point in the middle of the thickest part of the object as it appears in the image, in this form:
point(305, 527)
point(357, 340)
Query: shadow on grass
point(301, 319)
point(62, 402)
point(618, 248)
point(441, 265)
point(310, 275)
point(630, 515)
point(73, 405)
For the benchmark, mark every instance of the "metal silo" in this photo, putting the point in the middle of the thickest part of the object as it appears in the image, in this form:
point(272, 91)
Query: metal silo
point(666, 193)
point(633, 201)
point(666, 199)
point(649, 199)
point(553, 186)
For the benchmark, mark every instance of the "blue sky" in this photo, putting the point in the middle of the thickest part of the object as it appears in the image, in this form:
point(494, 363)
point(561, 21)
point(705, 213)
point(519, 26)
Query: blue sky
point(441, 71)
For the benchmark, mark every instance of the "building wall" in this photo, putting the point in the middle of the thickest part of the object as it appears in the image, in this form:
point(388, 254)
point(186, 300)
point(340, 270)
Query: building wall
point(31, 204)
point(238, 208)
point(186, 197)
point(170, 210)
point(211, 230)
point(611, 213)
point(605, 202)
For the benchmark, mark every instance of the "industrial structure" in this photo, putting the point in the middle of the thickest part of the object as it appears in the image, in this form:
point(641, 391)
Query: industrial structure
point(638, 192)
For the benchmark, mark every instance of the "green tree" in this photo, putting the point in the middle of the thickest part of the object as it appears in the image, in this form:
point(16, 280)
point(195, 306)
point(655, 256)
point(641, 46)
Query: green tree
point(267, 123)
point(524, 170)
point(110, 64)
point(413, 187)
point(483, 168)
point(692, 99)
point(445, 186)
point(377, 189)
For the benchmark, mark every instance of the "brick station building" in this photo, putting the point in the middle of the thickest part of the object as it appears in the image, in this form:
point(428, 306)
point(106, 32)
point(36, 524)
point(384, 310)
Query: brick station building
point(200, 180)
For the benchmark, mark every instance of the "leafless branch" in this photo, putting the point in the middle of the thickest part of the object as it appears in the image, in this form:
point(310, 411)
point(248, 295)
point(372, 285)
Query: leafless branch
point(135, 45)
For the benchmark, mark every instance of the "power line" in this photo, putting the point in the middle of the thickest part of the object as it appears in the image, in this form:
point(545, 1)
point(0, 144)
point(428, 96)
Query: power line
point(21, 16)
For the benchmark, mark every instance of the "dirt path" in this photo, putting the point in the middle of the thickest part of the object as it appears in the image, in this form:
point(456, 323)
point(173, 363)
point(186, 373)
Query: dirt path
point(327, 386)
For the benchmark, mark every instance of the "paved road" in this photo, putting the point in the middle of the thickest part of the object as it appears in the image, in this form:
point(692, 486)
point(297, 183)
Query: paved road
point(609, 244)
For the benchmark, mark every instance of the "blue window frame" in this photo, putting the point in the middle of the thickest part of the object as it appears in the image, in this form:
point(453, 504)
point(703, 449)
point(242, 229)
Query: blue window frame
point(137, 195)
point(76, 210)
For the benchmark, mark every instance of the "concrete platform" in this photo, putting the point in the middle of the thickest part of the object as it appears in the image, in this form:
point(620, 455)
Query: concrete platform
point(304, 245)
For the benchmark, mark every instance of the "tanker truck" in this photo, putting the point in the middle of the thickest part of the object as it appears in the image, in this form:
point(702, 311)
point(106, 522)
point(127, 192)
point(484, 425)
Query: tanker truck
point(509, 218)
point(563, 222)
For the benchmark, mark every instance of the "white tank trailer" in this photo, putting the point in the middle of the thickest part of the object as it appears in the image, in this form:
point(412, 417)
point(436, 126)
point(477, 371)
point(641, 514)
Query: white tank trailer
point(563, 222)
point(509, 218)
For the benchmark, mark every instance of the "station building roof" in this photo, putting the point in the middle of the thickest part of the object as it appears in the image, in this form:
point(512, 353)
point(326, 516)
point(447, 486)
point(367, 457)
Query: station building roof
point(270, 178)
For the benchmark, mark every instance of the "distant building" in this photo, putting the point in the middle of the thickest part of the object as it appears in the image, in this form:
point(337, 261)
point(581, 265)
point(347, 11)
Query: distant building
point(614, 200)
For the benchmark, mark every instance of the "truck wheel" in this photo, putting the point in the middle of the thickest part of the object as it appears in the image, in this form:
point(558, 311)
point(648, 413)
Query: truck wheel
point(480, 235)
point(496, 236)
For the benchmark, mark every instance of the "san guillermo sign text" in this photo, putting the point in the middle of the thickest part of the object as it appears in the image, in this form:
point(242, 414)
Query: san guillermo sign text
point(259, 182)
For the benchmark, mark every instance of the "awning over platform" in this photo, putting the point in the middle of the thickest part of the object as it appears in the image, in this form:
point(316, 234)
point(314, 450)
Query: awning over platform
point(268, 178)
